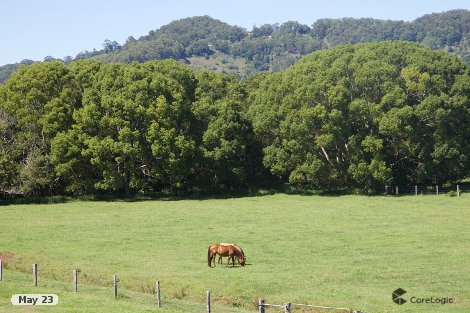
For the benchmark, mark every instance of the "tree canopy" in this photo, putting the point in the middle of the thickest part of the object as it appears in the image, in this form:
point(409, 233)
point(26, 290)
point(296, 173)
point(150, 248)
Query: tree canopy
point(366, 115)
point(359, 115)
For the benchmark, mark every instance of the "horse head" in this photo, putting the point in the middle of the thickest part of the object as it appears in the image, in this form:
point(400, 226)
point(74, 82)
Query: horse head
point(240, 255)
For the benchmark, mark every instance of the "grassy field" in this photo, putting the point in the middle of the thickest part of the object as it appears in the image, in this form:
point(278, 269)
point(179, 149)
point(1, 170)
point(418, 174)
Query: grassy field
point(220, 62)
point(343, 251)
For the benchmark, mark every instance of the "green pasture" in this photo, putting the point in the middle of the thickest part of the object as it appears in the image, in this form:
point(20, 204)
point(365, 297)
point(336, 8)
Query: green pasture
point(341, 251)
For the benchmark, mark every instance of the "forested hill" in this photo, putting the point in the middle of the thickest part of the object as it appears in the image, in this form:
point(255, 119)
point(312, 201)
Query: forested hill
point(210, 44)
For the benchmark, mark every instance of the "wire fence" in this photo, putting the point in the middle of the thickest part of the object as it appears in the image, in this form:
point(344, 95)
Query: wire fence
point(450, 190)
point(296, 307)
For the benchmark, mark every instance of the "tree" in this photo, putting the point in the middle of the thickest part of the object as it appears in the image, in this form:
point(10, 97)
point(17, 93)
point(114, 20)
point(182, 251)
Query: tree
point(8, 166)
point(225, 131)
point(40, 98)
point(366, 115)
point(133, 131)
point(110, 46)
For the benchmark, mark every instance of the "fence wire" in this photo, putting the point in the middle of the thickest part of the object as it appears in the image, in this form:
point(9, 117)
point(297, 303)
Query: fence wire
point(300, 308)
point(450, 190)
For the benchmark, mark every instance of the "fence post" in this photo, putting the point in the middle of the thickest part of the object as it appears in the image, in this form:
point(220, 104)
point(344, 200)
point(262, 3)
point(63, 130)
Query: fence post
point(75, 281)
point(396, 190)
point(159, 303)
point(1, 270)
point(115, 286)
point(437, 190)
point(35, 274)
point(458, 193)
point(416, 190)
point(287, 307)
point(261, 306)
point(208, 300)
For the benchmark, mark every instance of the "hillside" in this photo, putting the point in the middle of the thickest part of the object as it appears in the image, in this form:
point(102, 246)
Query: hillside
point(210, 44)
point(277, 46)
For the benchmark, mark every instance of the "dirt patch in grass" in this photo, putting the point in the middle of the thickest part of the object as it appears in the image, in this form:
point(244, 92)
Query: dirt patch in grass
point(6, 256)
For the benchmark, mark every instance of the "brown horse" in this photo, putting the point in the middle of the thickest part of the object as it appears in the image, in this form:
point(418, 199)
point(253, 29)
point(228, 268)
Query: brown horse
point(236, 247)
point(228, 250)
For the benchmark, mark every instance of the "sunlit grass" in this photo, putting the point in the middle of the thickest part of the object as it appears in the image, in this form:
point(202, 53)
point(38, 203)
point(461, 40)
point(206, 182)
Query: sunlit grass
point(347, 251)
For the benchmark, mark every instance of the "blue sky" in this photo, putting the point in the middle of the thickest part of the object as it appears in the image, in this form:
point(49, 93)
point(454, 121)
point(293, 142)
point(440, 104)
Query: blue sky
point(34, 29)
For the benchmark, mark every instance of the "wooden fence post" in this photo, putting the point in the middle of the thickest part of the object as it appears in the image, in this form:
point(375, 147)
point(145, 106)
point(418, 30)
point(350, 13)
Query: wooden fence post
point(115, 286)
point(35, 274)
point(458, 191)
point(159, 303)
point(437, 190)
point(416, 190)
point(75, 281)
point(261, 306)
point(287, 307)
point(208, 300)
point(396, 190)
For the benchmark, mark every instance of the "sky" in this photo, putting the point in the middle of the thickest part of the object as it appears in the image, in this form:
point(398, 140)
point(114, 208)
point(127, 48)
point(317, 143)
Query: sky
point(34, 29)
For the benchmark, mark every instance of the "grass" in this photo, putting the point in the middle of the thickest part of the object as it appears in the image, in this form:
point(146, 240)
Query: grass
point(90, 299)
point(342, 251)
point(220, 62)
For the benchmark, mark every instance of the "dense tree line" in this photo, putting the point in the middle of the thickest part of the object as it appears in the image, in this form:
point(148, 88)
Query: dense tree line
point(8, 69)
point(354, 116)
point(366, 115)
point(122, 128)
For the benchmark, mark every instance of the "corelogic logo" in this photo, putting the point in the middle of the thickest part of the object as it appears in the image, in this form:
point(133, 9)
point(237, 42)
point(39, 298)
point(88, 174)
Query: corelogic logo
point(396, 296)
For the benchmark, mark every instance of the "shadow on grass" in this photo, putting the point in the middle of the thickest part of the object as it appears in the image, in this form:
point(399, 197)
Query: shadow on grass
point(230, 266)
point(161, 196)
point(194, 195)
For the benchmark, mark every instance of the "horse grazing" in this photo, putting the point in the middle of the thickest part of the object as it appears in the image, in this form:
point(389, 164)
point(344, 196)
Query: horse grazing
point(229, 251)
point(236, 247)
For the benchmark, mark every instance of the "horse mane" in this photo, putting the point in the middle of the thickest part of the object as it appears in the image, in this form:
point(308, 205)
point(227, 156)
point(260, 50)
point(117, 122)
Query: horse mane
point(240, 250)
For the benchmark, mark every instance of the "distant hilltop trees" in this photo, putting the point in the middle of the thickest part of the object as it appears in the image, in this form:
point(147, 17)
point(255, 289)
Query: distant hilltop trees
point(207, 43)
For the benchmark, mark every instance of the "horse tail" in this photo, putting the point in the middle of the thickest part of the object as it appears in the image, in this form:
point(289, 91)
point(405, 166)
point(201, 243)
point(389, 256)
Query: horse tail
point(209, 256)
